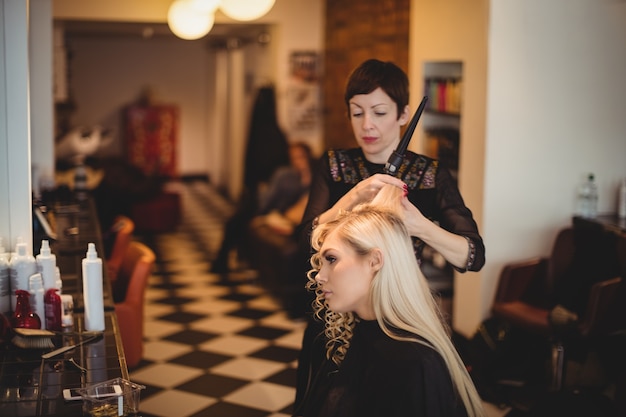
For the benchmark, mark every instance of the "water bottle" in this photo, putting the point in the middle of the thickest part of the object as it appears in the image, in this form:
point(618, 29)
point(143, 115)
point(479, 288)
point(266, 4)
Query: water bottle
point(588, 198)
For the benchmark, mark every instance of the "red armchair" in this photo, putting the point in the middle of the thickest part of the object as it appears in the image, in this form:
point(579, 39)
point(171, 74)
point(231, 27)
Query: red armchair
point(135, 270)
point(123, 228)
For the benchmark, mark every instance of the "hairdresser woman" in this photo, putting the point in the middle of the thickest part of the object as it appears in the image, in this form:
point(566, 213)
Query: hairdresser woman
point(377, 97)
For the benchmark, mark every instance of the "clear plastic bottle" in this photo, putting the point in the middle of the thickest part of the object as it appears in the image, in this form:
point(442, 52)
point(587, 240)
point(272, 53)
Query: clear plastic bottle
point(587, 204)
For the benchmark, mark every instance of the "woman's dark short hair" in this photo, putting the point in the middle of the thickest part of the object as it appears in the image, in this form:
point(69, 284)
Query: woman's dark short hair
point(374, 73)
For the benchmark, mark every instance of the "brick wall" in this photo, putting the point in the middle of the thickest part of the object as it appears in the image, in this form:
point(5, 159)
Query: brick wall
point(357, 30)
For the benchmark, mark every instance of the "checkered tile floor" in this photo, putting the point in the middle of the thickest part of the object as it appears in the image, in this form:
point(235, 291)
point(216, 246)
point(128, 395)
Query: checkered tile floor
point(217, 346)
point(213, 346)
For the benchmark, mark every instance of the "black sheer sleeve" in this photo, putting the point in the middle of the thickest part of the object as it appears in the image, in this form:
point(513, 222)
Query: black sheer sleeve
point(456, 217)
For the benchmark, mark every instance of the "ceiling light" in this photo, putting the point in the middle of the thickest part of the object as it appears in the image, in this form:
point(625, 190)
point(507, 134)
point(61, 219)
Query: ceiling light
point(205, 6)
point(246, 9)
point(186, 22)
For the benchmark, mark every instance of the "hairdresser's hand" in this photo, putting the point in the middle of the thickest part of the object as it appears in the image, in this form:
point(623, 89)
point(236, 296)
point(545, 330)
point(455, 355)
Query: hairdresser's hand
point(452, 247)
point(363, 192)
point(414, 220)
point(367, 189)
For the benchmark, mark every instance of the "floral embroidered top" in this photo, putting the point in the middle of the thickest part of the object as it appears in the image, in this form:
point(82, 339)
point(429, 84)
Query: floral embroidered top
point(431, 189)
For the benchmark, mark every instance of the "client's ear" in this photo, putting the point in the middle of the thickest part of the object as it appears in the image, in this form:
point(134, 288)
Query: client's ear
point(376, 259)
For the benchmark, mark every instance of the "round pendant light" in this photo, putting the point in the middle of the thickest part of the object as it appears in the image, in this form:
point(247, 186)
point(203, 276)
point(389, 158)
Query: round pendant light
point(205, 6)
point(246, 9)
point(188, 23)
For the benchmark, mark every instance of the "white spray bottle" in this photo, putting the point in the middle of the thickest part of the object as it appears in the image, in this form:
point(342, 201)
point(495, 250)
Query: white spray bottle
point(92, 290)
point(47, 262)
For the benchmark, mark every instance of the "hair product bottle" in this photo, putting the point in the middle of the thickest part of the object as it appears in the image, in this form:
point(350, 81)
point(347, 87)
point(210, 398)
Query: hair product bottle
point(37, 297)
point(23, 265)
point(92, 290)
point(52, 301)
point(5, 281)
point(23, 317)
point(47, 262)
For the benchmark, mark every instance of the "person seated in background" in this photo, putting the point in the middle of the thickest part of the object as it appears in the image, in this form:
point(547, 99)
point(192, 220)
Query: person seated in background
point(280, 206)
point(387, 349)
point(287, 195)
point(271, 239)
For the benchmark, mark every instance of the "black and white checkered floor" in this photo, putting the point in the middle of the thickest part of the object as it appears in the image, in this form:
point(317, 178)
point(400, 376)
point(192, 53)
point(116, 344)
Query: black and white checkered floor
point(213, 347)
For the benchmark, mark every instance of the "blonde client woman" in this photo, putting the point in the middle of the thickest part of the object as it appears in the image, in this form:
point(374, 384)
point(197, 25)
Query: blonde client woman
point(388, 352)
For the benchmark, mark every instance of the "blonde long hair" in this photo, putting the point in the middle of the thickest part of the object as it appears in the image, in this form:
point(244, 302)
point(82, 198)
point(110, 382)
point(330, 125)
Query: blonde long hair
point(401, 298)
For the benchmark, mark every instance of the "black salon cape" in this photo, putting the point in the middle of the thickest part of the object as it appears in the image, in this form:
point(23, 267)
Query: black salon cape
point(382, 377)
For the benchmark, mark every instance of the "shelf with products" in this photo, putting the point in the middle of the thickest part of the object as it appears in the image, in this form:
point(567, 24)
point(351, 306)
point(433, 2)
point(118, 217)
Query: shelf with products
point(441, 123)
point(444, 95)
point(443, 81)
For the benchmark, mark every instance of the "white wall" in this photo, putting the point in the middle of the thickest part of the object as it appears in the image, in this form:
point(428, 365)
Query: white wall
point(542, 106)
point(109, 73)
point(456, 30)
point(184, 73)
point(555, 112)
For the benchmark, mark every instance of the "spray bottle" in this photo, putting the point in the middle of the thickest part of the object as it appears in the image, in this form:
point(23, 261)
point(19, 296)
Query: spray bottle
point(92, 290)
point(47, 262)
point(23, 317)
point(52, 302)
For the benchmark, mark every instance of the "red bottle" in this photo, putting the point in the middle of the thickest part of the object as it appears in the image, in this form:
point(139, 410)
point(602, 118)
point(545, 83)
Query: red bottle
point(23, 317)
point(52, 303)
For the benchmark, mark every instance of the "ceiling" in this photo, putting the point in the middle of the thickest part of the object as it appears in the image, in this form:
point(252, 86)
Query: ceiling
point(146, 30)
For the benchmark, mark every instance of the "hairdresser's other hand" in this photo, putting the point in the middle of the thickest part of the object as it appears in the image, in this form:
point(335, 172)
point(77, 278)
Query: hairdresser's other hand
point(452, 247)
point(414, 220)
point(367, 189)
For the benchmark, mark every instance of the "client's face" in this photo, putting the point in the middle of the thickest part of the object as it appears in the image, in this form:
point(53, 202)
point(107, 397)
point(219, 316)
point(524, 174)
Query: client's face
point(345, 278)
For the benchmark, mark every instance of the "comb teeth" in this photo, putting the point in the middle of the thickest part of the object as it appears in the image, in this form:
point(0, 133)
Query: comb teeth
point(33, 339)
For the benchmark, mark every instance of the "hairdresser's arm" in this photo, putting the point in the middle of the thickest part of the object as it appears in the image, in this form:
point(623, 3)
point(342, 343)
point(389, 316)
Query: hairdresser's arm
point(455, 233)
point(453, 247)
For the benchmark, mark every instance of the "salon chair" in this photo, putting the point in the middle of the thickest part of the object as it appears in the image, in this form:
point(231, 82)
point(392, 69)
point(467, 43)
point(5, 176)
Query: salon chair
point(121, 234)
point(525, 298)
point(134, 272)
